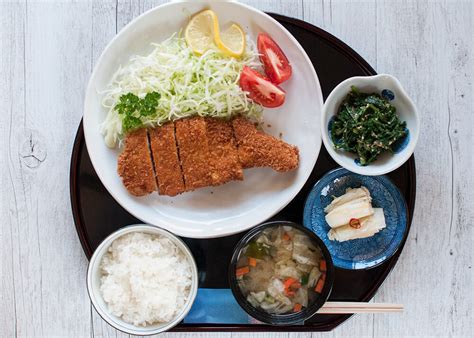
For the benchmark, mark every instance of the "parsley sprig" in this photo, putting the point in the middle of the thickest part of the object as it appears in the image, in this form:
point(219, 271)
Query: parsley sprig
point(132, 109)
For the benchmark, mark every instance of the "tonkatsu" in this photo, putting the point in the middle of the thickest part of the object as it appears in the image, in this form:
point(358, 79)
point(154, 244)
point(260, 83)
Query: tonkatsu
point(193, 152)
point(166, 160)
point(224, 159)
point(257, 149)
point(135, 166)
point(198, 152)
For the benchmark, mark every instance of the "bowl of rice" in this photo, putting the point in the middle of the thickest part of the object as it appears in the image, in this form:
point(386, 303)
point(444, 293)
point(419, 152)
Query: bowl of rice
point(142, 280)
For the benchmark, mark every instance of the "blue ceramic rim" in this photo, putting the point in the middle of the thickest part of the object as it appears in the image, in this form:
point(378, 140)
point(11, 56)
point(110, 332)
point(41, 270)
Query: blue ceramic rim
point(394, 244)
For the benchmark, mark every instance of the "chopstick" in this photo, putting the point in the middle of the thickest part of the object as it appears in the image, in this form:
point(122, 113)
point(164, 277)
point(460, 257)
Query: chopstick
point(359, 307)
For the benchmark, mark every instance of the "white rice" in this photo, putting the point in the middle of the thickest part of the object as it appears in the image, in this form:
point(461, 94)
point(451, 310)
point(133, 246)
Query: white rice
point(146, 279)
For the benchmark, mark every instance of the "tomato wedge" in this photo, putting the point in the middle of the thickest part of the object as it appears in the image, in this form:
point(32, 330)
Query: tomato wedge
point(260, 89)
point(276, 64)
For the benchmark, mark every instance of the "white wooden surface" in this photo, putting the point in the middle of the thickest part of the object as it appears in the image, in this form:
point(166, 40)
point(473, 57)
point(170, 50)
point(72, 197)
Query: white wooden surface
point(48, 49)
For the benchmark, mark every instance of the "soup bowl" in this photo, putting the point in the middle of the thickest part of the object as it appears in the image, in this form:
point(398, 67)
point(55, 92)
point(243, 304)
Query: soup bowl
point(286, 318)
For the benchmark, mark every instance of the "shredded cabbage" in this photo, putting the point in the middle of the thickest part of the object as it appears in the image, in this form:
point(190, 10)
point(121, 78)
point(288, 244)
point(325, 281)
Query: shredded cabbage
point(206, 85)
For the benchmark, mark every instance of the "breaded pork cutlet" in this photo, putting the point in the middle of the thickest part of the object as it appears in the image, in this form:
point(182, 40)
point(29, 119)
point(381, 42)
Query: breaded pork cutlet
point(224, 159)
point(193, 152)
point(257, 149)
point(135, 166)
point(165, 156)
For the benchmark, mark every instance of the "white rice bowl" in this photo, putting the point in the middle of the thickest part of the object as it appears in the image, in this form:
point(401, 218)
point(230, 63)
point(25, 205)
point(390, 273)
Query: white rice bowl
point(145, 278)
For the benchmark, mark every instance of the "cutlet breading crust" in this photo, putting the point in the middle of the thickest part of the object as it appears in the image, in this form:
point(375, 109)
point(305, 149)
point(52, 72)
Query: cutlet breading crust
point(165, 156)
point(135, 166)
point(196, 152)
point(257, 149)
point(193, 152)
point(224, 159)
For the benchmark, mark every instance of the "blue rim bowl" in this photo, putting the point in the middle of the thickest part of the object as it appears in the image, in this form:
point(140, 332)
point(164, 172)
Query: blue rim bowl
point(362, 253)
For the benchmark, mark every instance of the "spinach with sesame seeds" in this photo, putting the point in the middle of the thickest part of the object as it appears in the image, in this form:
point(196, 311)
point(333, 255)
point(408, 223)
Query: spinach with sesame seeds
point(366, 125)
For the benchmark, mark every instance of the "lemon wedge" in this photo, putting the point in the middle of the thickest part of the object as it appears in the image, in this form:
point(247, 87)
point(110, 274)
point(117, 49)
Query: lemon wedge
point(231, 41)
point(201, 31)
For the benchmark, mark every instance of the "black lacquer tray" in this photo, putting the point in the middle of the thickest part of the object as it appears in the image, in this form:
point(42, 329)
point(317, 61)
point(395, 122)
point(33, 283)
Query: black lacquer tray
point(96, 214)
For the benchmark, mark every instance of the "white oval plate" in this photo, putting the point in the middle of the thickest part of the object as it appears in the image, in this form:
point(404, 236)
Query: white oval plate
point(236, 206)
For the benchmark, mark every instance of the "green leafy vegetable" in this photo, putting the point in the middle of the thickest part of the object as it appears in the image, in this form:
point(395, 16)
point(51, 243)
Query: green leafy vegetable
point(257, 250)
point(304, 279)
point(131, 109)
point(367, 125)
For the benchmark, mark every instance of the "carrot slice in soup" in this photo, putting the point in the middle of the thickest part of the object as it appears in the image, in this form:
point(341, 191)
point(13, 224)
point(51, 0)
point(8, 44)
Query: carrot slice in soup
point(242, 271)
point(297, 307)
point(322, 265)
point(288, 282)
point(252, 262)
point(319, 285)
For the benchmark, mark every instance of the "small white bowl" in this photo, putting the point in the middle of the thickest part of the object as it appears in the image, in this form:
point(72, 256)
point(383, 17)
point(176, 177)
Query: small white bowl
point(94, 274)
point(385, 85)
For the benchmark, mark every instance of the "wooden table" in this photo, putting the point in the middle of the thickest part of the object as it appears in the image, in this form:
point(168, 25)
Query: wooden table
point(48, 50)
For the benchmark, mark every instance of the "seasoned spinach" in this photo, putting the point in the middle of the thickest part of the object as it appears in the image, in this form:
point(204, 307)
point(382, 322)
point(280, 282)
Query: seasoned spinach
point(367, 125)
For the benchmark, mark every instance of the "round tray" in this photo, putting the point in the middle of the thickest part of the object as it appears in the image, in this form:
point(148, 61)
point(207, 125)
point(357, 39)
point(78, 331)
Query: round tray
point(96, 214)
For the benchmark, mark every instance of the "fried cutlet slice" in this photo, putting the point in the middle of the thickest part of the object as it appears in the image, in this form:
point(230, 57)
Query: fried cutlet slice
point(193, 152)
point(224, 159)
point(165, 157)
point(257, 149)
point(135, 166)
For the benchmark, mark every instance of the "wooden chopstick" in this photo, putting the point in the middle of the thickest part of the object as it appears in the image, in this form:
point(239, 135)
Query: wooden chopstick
point(359, 307)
